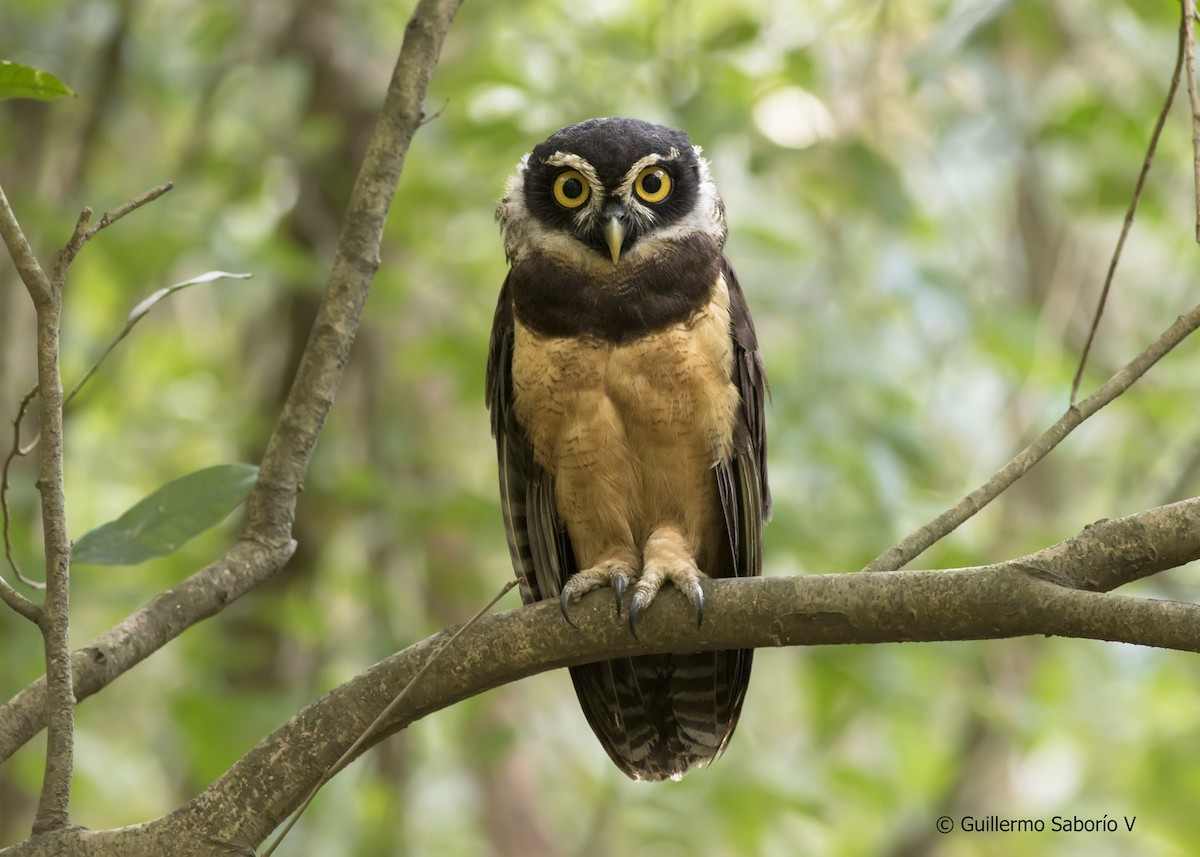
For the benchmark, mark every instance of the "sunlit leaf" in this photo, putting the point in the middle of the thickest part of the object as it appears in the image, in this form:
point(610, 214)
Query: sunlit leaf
point(163, 521)
point(22, 81)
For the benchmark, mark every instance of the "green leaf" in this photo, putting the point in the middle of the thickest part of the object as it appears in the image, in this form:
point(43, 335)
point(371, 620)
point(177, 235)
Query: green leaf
point(22, 81)
point(162, 522)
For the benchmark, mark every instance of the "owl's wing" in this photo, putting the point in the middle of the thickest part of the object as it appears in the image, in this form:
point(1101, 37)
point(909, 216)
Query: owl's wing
point(742, 480)
point(541, 552)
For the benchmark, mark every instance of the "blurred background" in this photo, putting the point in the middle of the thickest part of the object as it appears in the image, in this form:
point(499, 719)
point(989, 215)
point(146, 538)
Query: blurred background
point(923, 198)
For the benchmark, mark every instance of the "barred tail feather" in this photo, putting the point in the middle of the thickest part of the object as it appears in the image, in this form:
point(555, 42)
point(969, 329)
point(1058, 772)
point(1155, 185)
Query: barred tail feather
point(658, 716)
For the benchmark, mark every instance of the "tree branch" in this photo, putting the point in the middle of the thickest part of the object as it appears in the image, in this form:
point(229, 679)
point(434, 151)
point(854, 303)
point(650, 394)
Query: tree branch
point(31, 272)
point(265, 543)
point(353, 751)
point(1189, 40)
point(273, 500)
point(11, 597)
point(1058, 591)
point(83, 234)
point(1133, 202)
point(918, 541)
point(53, 615)
point(912, 545)
point(54, 621)
point(204, 594)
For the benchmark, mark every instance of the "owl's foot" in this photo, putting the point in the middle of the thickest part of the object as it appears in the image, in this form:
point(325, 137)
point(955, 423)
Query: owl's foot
point(667, 558)
point(617, 573)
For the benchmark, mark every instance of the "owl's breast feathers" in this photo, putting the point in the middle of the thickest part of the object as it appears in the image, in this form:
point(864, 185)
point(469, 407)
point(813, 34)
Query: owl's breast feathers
point(670, 388)
point(655, 413)
point(645, 294)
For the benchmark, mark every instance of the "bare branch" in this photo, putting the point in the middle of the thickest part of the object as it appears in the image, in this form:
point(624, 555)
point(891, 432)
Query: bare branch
point(53, 807)
point(53, 617)
point(244, 566)
point(1189, 40)
point(1056, 591)
point(140, 311)
point(19, 602)
point(266, 543)
point(1133, 203)
point(912, 545)
point(111, 217)
point(425, 120)
point(16, 450)
point(1049, 592)
point(10, 596)
point(353, 750)
point(22, 254)
point(84, 234)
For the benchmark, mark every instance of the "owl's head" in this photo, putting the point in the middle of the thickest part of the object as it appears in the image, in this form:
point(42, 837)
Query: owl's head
point(608, 191)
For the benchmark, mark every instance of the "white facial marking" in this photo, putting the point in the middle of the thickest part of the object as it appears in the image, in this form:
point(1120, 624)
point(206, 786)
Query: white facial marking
point(587, 214)
point(524, 233)
point(625, 188)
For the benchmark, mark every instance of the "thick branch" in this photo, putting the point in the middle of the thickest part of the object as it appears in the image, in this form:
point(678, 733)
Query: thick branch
point(1035, 594)
point(266, 541)
point(1031, 595)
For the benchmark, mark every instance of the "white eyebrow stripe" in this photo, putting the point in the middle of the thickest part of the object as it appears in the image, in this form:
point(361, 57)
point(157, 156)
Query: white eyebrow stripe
point(566, 159)
point(625, 188)
point(585, 216)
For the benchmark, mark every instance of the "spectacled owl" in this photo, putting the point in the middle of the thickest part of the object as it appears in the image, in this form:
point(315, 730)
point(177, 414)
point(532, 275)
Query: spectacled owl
point(626, 394)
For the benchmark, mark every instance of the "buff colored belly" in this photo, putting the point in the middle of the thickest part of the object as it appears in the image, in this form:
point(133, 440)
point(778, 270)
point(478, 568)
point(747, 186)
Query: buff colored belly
point(631, 432)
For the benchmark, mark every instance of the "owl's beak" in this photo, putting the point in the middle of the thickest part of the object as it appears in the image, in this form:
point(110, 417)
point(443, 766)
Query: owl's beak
point(614, 232)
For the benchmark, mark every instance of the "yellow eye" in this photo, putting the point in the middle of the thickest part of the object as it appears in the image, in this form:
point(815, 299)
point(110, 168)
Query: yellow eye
point(571, 189)
point(653, 184)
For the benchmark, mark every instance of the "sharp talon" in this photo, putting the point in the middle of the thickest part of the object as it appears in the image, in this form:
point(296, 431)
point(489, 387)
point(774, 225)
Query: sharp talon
point(635, 609)
point(699, 606)
point(619, 589)
point(563, 601)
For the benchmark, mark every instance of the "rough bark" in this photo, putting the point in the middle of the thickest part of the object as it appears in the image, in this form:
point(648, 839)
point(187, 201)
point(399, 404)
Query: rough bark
point(1061, 591)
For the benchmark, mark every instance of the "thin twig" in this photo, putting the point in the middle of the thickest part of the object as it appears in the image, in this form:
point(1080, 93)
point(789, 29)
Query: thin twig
point(350, 753)
point(916, 542)
point(19, 602)
point(83, 233)
point(425, 120)
point(140, 311)
point(15, 451)
point(1184, 39)
point(135, 315)
point(111, 217)
point(22, 254)
point(1189, 37)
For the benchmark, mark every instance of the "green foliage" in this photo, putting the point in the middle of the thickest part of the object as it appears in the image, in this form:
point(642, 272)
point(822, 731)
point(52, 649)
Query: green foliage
point(22, 81)
point(162, 522)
